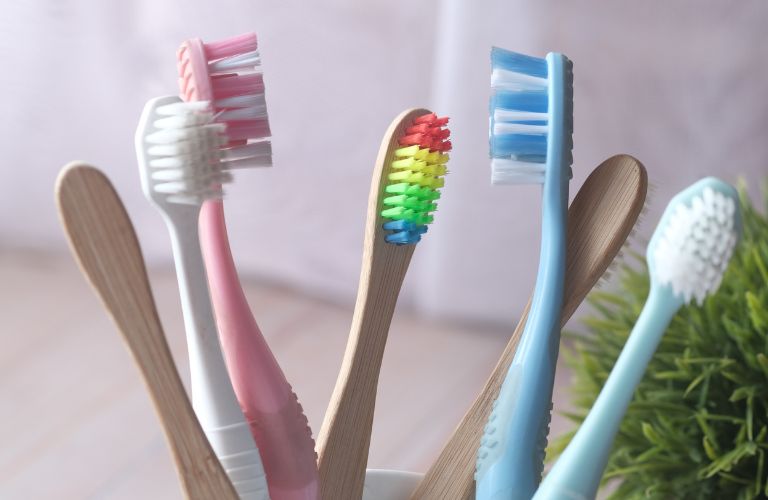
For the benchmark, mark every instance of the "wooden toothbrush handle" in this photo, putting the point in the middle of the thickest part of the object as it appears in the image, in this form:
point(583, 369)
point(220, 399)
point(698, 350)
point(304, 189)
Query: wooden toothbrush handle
point(344, 438)
point(105, 245)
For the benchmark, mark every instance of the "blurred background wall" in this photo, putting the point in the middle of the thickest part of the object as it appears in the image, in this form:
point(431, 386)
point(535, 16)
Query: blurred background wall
point(679, 84)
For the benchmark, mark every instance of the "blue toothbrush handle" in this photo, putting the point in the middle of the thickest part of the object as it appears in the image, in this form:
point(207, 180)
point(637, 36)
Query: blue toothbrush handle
point(511, 454)
point(577, 473)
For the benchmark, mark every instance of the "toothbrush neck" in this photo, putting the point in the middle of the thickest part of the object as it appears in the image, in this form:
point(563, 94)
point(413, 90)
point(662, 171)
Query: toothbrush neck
point(613, 400)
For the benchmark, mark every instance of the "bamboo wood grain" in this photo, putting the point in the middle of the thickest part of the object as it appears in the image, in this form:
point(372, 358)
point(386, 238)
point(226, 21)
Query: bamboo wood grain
point(345, 435)
point(105, 245)
point(600, 219)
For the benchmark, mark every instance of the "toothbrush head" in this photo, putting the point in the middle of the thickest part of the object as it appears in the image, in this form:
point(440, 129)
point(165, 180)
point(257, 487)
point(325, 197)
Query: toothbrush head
point(415, 178)
point(695, 239)
point(181, 154)
point(177, 147)
point(228, 74)
point(531, 117)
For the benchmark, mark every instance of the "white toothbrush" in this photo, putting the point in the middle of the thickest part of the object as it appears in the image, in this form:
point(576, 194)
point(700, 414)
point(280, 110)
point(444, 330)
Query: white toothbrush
point(687, 256)
point(176, 147)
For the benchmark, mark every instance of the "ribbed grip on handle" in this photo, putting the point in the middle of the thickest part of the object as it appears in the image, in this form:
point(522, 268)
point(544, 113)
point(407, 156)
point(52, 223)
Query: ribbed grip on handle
point(493, 432)
point(276, 419)
point(244, 468)
point(541, 450)
point(285, 439)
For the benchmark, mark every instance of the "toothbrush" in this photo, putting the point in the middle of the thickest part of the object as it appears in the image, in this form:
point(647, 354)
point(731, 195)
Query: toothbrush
point(530, 140)
point(176, 149)
point(407, 174)
point(687, 256)
point(227, 73)
point(600, 219)
point(102, 238)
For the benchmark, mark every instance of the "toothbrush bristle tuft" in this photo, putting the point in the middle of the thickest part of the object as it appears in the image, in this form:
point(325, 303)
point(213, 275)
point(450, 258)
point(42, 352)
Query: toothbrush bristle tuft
point(520, 121)
point(696, 243)
point(227, 73)
point(183, 151)
point(415, 179)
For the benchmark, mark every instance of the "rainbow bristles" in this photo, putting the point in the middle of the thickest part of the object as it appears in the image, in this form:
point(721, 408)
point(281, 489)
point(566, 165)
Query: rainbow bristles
point(414, 180)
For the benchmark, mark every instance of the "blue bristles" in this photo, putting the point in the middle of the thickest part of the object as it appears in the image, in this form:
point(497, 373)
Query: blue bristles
point(533, 101)
point(519, 63)
point(519, 117)
point(404, 232)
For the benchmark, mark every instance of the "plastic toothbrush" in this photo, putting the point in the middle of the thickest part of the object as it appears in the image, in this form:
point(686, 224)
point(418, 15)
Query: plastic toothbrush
point(530, 141)
point(227, 73)
point(173, 143)
point(687, 256)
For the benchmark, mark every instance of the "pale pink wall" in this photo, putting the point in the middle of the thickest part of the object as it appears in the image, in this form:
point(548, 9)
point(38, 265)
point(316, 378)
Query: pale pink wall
point(681, 85)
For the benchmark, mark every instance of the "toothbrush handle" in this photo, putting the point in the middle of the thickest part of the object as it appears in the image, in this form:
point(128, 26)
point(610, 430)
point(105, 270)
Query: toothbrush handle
point(345, 437)
point(276, 418)
point(511, 453)
point(577, 473)
point(104, 242)
point(212, 395)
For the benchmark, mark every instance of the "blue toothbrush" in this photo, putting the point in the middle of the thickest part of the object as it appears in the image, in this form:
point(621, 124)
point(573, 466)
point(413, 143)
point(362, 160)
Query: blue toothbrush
point(531, 124)
point(687, 256)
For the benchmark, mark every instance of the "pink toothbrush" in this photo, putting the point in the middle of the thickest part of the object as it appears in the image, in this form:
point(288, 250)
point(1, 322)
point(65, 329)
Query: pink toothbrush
point(226, 74)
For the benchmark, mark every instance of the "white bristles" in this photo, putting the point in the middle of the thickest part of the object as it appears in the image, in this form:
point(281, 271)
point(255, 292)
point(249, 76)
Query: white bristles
point(512, 80)
point(241, 101)
point(518, 128)
point(182, 108)
point(183, 153)
point(696, 245)
point(250, 60)
point(520, 122)
point(259, 152)
point(186, 154)
point(249, 113)
point(182, 121)
point(186, 135)
point(508, 115)
point(507, 171)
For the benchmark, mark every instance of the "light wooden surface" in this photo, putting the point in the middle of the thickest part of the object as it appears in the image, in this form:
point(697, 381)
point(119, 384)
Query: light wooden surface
point(103, 240)
point(600, 219)
point(344, 438)
point(77, 422)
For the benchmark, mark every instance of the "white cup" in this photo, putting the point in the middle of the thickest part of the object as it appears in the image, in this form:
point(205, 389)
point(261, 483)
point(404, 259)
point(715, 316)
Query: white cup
point(390, 484)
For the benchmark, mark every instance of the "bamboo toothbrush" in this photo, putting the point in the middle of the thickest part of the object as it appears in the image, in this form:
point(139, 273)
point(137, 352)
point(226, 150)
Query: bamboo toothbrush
point(104, 243)
point(687, 256)
point(176, 148)
point(406, 177)
point(600, 219)
point(227, 74)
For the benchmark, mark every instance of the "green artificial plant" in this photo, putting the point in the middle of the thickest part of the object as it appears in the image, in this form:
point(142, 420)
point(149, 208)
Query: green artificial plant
point(697, 426)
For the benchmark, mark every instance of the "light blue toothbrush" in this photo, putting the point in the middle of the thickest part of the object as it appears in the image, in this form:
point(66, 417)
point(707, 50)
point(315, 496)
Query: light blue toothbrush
point(687, 257)
point(530, 140)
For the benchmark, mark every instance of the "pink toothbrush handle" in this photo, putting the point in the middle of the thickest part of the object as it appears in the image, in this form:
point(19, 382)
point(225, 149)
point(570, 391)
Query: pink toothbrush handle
point(277, 421)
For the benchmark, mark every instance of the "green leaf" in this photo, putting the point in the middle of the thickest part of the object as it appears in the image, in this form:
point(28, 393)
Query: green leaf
point(726, 462)
point(697, 426)
point(757, 313)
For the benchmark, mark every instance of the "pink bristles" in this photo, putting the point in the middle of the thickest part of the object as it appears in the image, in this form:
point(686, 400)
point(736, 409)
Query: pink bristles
point(234, 85)
point(231, 46)
point(226, 73)
point(239, 131)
